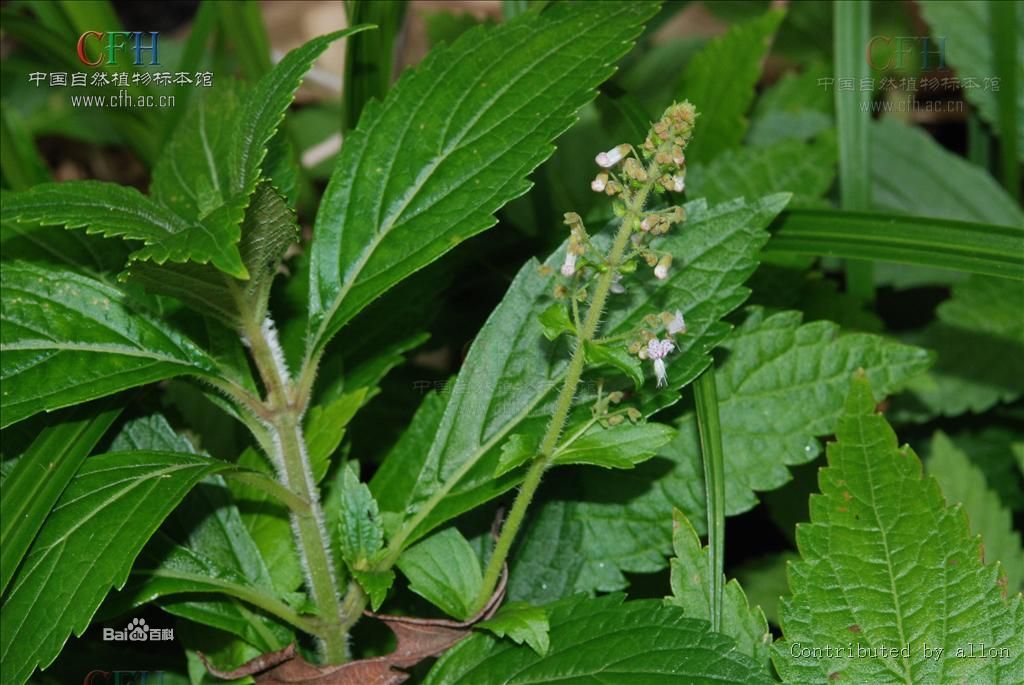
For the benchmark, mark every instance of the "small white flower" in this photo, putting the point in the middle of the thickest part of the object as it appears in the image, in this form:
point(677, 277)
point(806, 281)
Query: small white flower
point(645, 225)
point(609, 159)
point(661, 270)
point(677, 324)
point(678, 183)
point(600, 183)
point(657, 350)
point(617, 286)
point(569, 265)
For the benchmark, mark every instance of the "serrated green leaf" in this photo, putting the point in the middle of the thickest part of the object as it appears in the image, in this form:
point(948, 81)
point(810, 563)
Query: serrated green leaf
point(361, 533)
point(963, 483)
point(269, 524)
point(515, 452)
point(100, 523)
point(53, 245)
point(268, 230)
point(885, 563)
point(398, 475)
point(202, 549)
point(617, 447)
point(68, 338)
point(376, 584)
point(555, 320)
point(263, 109)
point(325, 429)
point(444, 570)
point(544, 565)
point(521, 622)
point(987, 450)
point(606, 640)
point(744, 623)
point(618, 357)
point(805, 169)
point(720, 81)
point(968, 25)
point(911, 173)
point(979, 339)
point(40, 476)
point(191, 177)
point(796, 92)
point(454, 141)
point(719, 247)
point(780, 386)
point(120, 211)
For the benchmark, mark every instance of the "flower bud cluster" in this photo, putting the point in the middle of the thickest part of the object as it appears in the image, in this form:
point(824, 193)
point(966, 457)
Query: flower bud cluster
point(630, 175)
point(659, 165)
point(648, 345)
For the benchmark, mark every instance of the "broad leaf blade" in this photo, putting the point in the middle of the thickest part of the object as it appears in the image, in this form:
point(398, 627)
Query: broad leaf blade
point(203, 547)
point(444, 570)
point(720, 82)
point(453, 142)
point(780, 386)
point(102, 520)
point(521, 622)
point(913, 174)
point(68, 338)
point(360, 532)
point(806, 169)
point(969, 25)
point(120, 211)
point(268, 230)
point(598, 641)
point(719, 247)
point(886, 562)
point(690, 571)
point(963, 483)
point(40, 476)
point(979, 339)
point(615, 448)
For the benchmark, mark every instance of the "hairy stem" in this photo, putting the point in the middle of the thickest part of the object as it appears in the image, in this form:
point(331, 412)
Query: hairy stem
point(563, 404)
point(285, 422)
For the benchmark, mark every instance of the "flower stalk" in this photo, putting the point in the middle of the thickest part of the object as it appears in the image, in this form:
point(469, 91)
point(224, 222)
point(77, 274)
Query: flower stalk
point(662, 148)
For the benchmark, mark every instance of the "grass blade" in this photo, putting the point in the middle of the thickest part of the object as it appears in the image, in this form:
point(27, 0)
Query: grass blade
point(1004, 49)
point(242, 23)
point(706, 396)
point(959, 245)
point(370, 55)
point(853, 116)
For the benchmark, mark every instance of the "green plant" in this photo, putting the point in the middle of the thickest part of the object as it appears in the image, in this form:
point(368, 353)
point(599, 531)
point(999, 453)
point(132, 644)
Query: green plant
point(212, 418)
